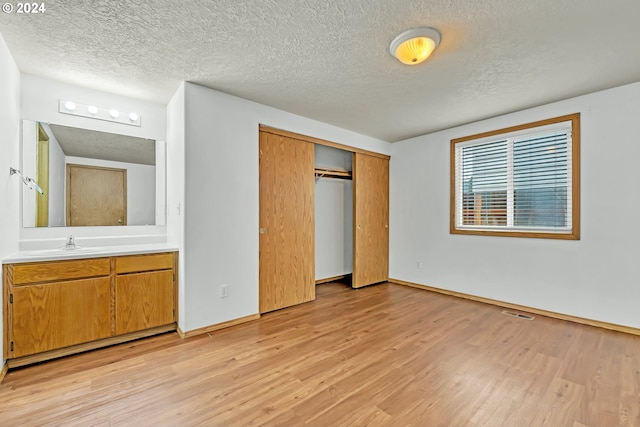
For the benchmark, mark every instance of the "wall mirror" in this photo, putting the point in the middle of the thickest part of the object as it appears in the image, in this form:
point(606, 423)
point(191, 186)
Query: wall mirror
point(91, 178)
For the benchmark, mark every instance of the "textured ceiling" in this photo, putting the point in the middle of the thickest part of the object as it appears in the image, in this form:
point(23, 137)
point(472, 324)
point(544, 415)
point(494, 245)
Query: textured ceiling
point(329, 59)
point(104, 146)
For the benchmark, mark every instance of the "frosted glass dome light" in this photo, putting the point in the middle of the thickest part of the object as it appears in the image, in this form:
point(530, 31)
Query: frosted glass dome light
point(416, 45)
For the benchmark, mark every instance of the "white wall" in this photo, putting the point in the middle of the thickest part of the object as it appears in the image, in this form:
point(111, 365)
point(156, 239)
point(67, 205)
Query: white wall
point(326, 157)
point(57, 176)
point(39, 102)
point(10, 186)
point(160, 194)
point(334, 227)
point(221, 198)
point(40, 98)
point(333, 214)
point(28, 168)
point(175, 188)
point(595, 277)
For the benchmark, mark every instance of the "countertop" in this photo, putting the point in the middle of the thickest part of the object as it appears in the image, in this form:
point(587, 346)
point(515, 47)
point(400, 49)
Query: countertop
point(87, 252)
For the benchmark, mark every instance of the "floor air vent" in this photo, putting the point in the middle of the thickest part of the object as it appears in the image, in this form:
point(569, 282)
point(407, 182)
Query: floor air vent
point(518, 315)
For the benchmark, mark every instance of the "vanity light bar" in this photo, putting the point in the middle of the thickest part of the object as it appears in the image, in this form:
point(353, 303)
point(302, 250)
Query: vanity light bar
point(93, 112)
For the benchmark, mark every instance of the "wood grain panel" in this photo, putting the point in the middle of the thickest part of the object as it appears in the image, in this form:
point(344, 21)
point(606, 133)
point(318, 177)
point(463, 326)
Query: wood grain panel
point(96, 195)
point(59, 270)
point(371, 220)
point(319, 141)
point(59, 314)
point(139, 263)
point(287, 260)
point(7, 312)
point(144, 300)
point(112, 296)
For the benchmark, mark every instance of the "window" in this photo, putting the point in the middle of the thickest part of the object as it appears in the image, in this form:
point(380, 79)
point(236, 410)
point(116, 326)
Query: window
point(521, 181)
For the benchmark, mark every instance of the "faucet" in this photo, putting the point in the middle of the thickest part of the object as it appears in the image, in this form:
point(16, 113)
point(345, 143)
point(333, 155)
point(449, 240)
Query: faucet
point(71, 243)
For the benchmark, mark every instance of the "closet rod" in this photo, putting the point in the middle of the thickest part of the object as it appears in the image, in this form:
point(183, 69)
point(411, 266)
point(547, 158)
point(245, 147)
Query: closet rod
point(332, 173)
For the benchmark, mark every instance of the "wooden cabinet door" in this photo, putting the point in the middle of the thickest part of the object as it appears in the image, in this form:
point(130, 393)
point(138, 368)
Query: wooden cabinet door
point(287, 248)
point(60, 314)
point(371, 220)
point(144, 300)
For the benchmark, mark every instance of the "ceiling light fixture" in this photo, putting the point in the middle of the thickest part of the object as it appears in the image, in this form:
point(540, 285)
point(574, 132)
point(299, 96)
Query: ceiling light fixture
point(91, 111)
point(416, 45)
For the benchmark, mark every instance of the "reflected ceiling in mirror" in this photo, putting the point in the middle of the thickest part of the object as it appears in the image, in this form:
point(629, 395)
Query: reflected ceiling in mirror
point(105, 146)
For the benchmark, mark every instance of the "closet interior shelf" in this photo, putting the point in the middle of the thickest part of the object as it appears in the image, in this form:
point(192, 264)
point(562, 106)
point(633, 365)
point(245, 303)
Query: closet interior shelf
point(332, 173)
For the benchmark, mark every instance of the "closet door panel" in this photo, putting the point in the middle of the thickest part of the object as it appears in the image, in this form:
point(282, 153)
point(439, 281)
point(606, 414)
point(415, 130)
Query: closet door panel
point(287, 272)
point(371, 220)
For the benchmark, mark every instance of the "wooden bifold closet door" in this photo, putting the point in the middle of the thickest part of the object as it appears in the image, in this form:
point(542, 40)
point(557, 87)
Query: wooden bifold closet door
point(287, 245)
point(371, 220)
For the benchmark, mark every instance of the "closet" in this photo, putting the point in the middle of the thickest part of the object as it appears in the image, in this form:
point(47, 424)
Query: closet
point(333, 214)
point(287, 174)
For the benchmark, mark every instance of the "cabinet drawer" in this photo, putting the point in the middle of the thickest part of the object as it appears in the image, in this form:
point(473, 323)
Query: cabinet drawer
point(139, 263)
point(60, 270)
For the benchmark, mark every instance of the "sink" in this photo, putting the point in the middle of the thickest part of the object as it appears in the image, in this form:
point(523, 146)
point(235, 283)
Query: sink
point(90, 249)
point(64, 251)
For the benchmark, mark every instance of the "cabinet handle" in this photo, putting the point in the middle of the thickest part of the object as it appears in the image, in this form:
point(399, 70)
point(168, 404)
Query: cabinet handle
point(263, 230)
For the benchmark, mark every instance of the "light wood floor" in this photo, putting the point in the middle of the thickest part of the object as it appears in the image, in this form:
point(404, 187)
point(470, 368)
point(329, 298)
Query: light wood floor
point(385, 355)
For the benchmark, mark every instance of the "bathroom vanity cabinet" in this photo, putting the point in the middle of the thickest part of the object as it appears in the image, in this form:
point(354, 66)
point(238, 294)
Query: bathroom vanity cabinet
point(55, 308)
point(144, 292)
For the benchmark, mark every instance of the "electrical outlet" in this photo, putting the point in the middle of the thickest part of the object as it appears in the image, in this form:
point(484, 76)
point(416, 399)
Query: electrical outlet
point(224, 291)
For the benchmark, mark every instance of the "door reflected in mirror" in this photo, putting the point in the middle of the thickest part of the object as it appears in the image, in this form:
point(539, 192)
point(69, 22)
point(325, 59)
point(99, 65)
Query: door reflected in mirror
point(91, 178)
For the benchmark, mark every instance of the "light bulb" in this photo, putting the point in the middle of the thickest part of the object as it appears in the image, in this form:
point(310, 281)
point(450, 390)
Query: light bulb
point(92, 109)
point(114, 113)
point(70, 105)
point(133, 117)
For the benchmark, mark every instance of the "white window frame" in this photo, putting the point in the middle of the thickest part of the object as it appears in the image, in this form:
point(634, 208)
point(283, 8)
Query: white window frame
point(570, 124)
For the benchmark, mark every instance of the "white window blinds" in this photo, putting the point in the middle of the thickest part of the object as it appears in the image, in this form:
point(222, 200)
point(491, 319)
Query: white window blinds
point(542, 181)
point(516, 182)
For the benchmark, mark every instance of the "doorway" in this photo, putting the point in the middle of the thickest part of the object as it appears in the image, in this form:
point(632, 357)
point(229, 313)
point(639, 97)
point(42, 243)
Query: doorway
point(42, 177)
point(96, 195)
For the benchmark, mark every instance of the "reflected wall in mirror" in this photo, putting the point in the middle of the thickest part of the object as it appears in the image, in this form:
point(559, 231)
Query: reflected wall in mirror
point(91, 178)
